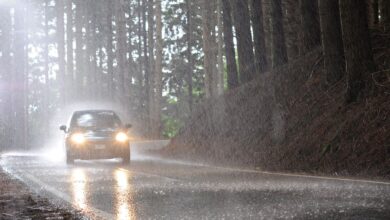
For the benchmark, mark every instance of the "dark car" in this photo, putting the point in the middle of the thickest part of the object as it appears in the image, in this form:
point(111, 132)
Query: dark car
point(96, 134)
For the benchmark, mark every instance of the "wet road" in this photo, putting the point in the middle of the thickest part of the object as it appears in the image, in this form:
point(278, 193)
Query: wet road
point(152, 188)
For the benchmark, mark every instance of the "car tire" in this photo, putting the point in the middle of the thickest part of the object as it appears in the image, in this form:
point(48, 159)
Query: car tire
point(69, 158)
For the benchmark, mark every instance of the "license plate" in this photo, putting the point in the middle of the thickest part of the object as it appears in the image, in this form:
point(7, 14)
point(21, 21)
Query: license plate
point(100, 146)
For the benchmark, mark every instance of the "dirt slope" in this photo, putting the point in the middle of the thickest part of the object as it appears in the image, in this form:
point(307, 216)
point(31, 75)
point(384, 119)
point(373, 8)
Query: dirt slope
point(287, 121)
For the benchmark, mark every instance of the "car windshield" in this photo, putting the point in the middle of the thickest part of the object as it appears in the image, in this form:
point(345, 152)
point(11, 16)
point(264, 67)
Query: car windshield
point(98, 120)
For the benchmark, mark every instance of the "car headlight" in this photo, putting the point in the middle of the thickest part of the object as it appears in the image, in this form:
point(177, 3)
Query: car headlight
point(121, 137)
point(78, 138)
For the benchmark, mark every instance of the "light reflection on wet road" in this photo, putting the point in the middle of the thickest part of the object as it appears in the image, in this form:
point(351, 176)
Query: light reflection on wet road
point(153, 188)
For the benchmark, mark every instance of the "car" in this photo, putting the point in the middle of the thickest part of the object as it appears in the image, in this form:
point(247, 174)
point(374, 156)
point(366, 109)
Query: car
point(96, 134)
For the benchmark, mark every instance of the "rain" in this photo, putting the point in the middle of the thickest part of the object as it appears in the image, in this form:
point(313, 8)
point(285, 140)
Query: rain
point(194, 109)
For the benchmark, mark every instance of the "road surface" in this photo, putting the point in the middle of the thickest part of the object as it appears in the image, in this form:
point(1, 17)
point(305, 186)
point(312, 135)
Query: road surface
point(154, 188)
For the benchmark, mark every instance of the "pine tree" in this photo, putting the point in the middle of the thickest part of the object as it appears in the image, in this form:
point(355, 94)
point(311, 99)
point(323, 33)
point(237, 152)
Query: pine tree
point(259, 36)
point(279, 51)
point(332, 42)
point(232, 73)
point(357, 46)
point(246, 62)
point(311, 25)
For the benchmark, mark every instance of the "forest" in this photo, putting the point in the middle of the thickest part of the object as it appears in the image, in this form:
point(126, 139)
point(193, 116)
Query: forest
point(161, 60)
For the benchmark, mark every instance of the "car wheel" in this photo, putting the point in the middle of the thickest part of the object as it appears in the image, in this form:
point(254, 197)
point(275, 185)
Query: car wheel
point(69, 158)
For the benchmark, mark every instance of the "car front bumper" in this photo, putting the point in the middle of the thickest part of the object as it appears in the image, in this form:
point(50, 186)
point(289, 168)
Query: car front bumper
point(98, 150)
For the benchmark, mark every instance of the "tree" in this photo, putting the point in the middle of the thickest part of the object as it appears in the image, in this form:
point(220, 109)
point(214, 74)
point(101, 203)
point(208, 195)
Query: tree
point(279, 51)
point(311, 25)
point(246, 62)
point(158, 71)
point(109, 48)
point(190, 58)
point(386, 14)
point(69, 44)
point(259, 35)
point(357, 47)
point(6, 75)
point(61, 46)
point(208, 42)
point(20, 78)
point(150, 38)
point(121, 49)
point(80, 65)
point(221, 67)
point(230, 53)
point(332, 41)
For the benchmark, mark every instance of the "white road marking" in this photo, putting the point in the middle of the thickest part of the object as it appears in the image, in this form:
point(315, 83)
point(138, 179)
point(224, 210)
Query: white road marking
point(265, 172)
point(96, 212)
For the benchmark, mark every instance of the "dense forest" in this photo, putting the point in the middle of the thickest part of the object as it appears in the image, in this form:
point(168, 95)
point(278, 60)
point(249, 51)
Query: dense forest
point(159, 59)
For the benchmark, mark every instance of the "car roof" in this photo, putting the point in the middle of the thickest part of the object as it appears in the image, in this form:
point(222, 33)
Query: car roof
point(93, 111)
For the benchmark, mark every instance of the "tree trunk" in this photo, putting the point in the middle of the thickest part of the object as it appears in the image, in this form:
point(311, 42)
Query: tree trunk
point(244, 41)
point(69, 47)
point(151, 64)
point(147, 69)
point(311, 25)
point(386, 15)
point(79, 49)
point(20, 78)
point(292, 27)
point(158, 71)
point(7, 76)
point(259, 36)
point(61, 48)
point(230, 53)
point(110, 53)
point(332, 41)
point(376, 11)
point(357, 46)
point(221, 67)
point(279, 51)
point(208, 59)
point(190, 58)
point(121, 50)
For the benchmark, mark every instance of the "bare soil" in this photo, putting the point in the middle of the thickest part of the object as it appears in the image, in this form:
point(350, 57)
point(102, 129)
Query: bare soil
point(17, 202)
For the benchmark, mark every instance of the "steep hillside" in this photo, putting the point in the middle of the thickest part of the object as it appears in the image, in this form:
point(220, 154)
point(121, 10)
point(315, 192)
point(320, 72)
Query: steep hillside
point(286, 120)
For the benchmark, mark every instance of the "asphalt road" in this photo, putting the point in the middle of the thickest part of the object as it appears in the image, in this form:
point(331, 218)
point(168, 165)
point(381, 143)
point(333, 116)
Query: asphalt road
point(153, 188)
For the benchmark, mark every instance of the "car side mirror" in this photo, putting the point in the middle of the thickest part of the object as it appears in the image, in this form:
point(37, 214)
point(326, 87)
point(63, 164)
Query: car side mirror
point(128, 126)
point(63, 128)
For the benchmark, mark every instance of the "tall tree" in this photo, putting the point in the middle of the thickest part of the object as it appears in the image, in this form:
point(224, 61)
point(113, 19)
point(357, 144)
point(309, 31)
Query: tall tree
point(150, 34)
point(109, 48)
point(332, 41)
point(311, 25)
point(6, 75)
point(246, 62)
point(61, 47)
point(386, 14)
point(279, 51)
point(232, 73)
point(80, 63)
point(158, 71)
point(221, 67)
point(357, 46)
point(20, 77)
point(259, 35)
point(121, 50)
point(69, 44)
point(190, 58)
point(208, 42)
point(292, 27)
